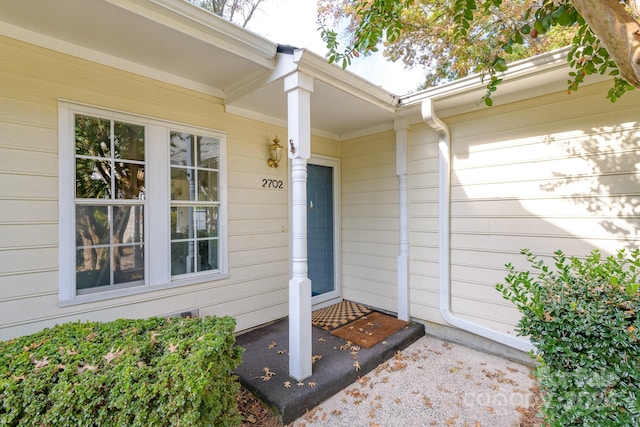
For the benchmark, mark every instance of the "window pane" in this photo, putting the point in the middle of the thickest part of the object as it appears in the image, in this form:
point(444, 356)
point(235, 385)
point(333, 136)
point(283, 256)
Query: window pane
point(208, 186)
point(181, 222)
point(93, 136)
point(182, 185)
point(208, 255)
point(181, 149)
point(93, 179)
point(129, 181)
point(182, 257)
point(92, 225)
point(209, 152)
point(128, 224)
point(109, 237)
point(129, 264)
point(92, 267)
point(206, 222)
point(195, 162)
point(128, 141)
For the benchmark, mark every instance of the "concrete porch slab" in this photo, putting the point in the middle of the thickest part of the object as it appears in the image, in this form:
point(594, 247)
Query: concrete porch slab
point(264, 369)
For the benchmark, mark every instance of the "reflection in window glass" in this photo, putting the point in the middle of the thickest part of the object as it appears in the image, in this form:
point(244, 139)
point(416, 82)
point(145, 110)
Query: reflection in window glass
point(209, 152)
point(195, 203)
point(128, 141)
point(109, 171)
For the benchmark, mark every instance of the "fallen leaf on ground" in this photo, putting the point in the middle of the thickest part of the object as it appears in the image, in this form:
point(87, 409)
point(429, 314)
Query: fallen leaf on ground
point(33, 346)
point(84, 367)
point(41, 363)
point(287, 384)
point(154, 337)
point(427, 402)
point(272, 345)
point(114, 354)
point(268, 373)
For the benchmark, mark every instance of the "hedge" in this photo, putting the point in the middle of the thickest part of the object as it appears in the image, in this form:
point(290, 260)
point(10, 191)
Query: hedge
point(151, 372)
point(582, 317)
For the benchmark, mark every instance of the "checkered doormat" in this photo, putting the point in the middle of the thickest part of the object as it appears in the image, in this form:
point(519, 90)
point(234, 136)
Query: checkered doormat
point(334, 316)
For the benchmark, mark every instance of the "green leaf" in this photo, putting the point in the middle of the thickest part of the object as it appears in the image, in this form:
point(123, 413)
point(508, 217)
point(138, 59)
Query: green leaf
point(500, 65)
point(566, 19)
point(539, 27)
point(517, 38)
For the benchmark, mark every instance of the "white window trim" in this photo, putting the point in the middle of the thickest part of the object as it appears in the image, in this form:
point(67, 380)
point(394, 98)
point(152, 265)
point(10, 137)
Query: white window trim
point(157, 243)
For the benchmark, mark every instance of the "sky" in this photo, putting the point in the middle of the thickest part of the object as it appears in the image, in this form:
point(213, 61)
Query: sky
point(293, 22)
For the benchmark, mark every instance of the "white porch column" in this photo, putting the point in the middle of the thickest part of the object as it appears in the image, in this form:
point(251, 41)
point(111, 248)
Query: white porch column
point(299, 88)
point(401, 126)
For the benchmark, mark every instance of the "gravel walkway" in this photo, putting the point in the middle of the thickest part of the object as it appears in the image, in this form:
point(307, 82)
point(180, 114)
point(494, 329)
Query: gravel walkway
point(432, 383)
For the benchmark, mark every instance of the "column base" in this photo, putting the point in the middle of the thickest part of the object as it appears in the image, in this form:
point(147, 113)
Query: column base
point(300, 341)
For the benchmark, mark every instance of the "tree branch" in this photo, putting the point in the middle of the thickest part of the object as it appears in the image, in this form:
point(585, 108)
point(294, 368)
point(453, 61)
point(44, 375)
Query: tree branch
point(618, 31)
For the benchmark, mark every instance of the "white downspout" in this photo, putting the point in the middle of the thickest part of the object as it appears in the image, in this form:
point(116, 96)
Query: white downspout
point(444, 222)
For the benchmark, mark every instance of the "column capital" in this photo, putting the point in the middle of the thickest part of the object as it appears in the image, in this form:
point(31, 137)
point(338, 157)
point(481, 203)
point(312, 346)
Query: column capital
point(298, 80)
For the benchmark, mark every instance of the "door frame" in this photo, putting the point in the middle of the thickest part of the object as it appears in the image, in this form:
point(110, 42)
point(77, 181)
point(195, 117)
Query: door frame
point(334, 296)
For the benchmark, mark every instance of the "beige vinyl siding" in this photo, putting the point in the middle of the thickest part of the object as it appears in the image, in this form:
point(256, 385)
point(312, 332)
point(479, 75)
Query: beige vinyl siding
point(370, 212)
point(32, 79)
point(554, 172)
point(423, 223)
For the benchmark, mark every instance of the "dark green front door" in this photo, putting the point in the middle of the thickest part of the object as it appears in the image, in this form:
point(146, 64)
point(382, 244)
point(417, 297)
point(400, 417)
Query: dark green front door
point(320, 229)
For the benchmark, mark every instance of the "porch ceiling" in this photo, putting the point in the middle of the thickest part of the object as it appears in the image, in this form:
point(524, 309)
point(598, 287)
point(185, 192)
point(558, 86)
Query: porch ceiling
point(334, 113)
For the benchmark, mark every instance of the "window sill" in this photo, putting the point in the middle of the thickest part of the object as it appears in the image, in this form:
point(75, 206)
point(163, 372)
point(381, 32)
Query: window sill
point(139, 290)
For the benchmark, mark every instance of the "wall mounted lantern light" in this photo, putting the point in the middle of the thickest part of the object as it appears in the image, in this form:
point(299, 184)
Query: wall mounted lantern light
point(275, 153)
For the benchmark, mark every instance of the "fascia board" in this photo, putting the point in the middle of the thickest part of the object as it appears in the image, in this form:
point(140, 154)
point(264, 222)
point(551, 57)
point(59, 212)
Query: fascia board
point(205, 26)
point(317, 67)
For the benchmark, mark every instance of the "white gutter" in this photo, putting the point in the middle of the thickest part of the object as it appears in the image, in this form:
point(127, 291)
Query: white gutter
point(444, 190)
point(205, 26)
point(523, 69)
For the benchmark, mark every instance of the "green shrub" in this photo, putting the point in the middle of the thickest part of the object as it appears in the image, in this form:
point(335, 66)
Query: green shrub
point(152, 372)
point(582, 318)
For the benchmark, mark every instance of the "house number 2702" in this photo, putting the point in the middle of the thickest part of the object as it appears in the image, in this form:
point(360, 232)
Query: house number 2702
point(272, 183)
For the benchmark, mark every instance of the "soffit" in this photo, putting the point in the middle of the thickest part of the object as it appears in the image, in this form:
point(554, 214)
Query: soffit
point(343, 105)
point(335, 113)
point(173, 37)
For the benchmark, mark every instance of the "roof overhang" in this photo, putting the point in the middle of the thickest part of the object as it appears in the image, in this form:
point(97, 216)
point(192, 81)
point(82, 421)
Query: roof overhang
point(179, 43)
point(343, 105)
point(532, 77)
point(169, 40)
